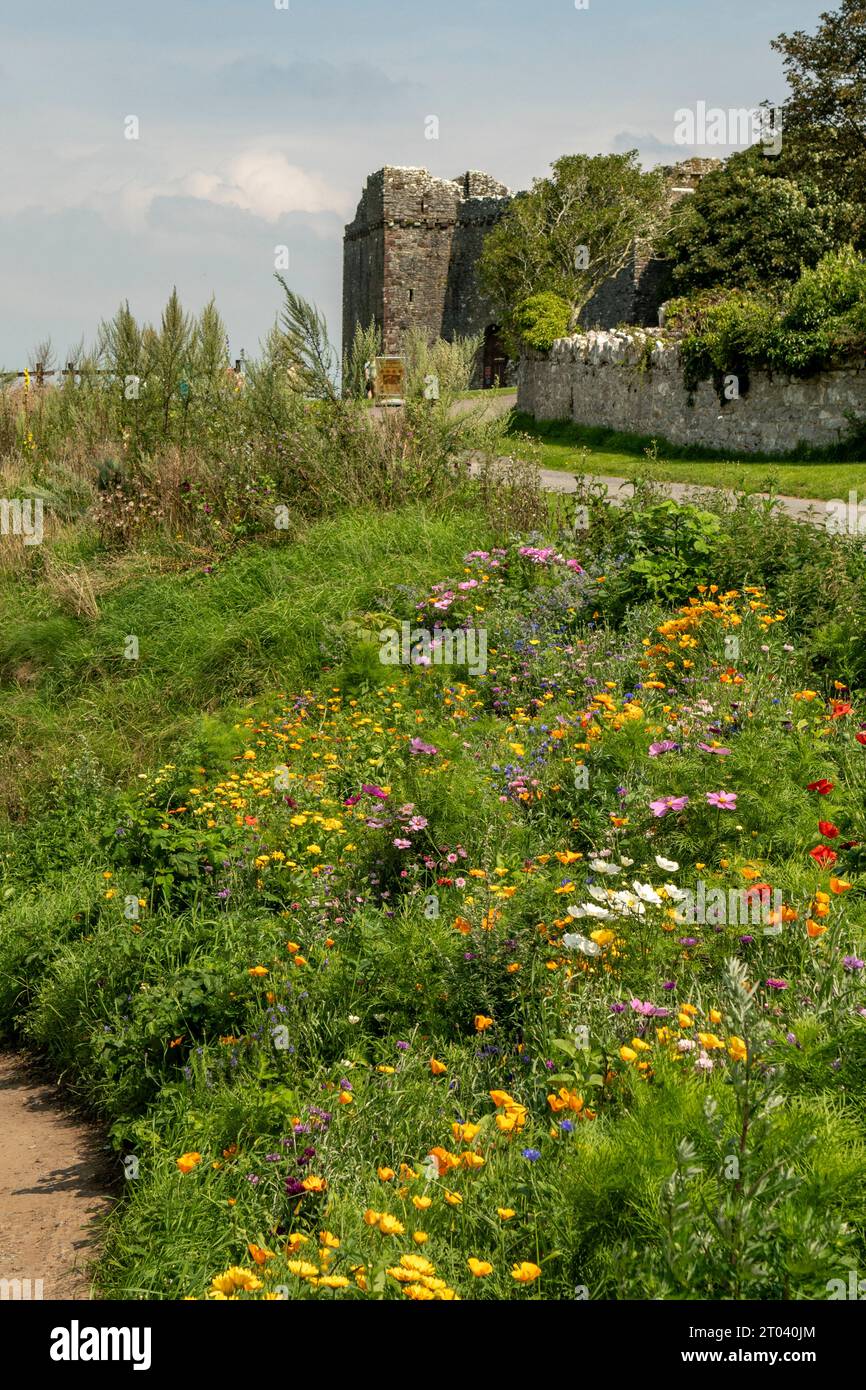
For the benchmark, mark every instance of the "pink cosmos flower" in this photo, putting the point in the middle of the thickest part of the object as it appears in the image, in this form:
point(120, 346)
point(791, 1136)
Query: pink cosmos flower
point(726, 801)
point(668, 803)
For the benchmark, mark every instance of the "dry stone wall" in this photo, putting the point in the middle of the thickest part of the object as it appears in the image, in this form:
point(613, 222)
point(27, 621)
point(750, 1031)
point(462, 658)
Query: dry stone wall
point(632, 381)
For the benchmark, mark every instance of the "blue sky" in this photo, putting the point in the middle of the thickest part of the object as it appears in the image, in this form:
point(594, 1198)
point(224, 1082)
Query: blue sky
point(259, 125)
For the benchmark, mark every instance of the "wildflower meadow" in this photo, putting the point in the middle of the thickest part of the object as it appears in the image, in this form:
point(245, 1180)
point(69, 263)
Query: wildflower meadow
point(524, 966)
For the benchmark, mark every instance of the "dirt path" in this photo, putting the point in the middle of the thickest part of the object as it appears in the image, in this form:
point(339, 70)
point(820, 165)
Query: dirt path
point(53, 1186)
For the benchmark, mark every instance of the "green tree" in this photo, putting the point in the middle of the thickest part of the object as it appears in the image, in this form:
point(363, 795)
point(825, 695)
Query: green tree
point(824, 117)
point(570, 233)
point(749, 226)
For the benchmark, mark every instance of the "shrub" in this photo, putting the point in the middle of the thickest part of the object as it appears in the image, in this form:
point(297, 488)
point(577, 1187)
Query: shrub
point(541, 319)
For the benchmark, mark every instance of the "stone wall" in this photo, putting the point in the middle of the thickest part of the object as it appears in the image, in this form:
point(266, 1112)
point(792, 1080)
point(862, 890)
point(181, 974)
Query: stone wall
point(632, 381)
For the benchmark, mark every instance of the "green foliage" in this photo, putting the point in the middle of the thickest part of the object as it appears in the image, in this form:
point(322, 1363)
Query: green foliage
point(365, 347)
point(452, 363)
point(570, 233)
point(541, 319)
point(817, 322)
point(310, 359)
point(824, 116)
point(749, 227)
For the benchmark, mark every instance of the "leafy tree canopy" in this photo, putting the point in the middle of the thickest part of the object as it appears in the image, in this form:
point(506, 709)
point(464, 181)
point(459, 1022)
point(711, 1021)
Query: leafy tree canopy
point(751, 226)
point(570, 233)
point(824, 117)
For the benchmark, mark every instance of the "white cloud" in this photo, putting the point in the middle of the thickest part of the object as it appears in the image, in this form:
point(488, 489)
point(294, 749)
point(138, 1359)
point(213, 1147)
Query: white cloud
point(265, 183)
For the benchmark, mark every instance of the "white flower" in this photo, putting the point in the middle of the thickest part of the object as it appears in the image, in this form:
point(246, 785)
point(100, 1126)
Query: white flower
point(627, 903)
point(573, 941)
point(674, 892)
point(600, 866)
point(670, 866)
point(353, 1018)
point(627, 863)
point(589, 910)
point(601, 895)
point(647, 893)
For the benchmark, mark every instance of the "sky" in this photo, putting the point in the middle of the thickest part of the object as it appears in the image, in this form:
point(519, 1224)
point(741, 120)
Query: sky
point(258, 121)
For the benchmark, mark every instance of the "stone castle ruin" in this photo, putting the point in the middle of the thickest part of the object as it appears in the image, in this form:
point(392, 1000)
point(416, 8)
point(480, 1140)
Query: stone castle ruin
point(411, 253)
point(409, 259)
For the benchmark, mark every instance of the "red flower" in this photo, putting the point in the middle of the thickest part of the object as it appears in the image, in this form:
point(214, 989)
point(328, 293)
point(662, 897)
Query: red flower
point(822, 786)
point(760, 891)
point(840, 707)
point(861, 737)
point(823, 856)
point(828, 829)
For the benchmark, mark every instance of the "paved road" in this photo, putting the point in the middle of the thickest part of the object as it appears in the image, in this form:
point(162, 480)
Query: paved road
point(558, 480)
point(618, 489)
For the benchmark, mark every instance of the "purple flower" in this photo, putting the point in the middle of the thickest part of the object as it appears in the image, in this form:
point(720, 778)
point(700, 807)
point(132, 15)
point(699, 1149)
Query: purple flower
point(669, 984)
point(708, 748)
point(373, 790)
point(666, 746)
point(532, 1155)
point(567, 1126)
point(419, 746)
point(776, 984)
point(853, 963)
point(403, 1047)
point(688, 941)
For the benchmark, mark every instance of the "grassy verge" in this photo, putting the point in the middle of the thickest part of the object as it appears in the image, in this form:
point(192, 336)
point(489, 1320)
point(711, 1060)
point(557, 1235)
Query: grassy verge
point(584, 449)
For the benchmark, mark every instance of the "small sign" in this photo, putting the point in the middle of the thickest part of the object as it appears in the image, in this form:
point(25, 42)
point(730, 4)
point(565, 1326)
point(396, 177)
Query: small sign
point(389, 380)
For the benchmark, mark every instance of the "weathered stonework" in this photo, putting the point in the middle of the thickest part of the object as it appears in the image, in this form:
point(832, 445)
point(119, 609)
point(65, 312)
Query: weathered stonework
point(632, 381)
point(410, 255)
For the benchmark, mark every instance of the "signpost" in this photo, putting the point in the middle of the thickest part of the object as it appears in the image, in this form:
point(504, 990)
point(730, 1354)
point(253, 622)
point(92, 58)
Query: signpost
point(389, 380)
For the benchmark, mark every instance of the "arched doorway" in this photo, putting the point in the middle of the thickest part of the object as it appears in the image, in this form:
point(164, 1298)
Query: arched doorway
point(495, 361)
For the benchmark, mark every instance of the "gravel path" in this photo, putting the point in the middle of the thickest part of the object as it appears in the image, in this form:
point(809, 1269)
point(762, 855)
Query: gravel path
point(54, 1187)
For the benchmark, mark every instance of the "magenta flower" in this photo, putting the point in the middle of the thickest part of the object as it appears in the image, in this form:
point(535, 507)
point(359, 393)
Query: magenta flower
point(666, 746)
point(402, 844)
point(726, 801)
point(708, 748)
point(372, 790)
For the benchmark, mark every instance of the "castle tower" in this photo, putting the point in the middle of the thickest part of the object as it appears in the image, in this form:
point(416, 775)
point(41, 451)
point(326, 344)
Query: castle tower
point(410, 255)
